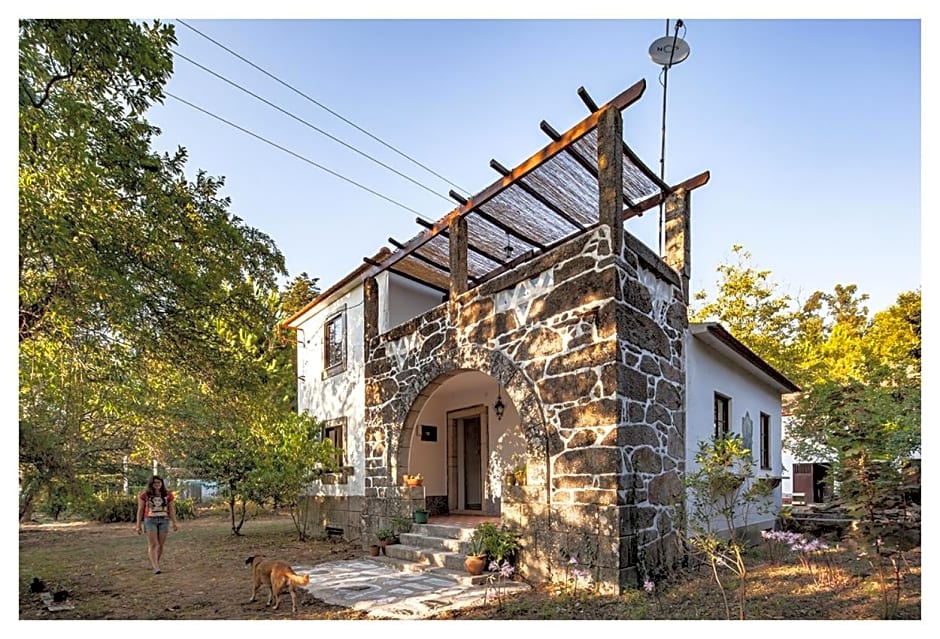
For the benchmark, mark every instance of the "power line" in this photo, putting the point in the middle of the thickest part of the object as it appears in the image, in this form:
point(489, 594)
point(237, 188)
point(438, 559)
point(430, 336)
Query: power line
point(322, 106)
point(296, 155)
point(315, 128)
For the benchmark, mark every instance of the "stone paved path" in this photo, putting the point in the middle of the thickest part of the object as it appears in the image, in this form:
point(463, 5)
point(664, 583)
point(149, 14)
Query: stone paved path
point(388, 593)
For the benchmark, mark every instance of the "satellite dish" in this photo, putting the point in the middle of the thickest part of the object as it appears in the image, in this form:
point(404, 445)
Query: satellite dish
point(669, 50)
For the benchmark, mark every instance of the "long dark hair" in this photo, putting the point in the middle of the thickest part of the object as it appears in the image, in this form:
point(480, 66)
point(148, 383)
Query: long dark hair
point(151, 493)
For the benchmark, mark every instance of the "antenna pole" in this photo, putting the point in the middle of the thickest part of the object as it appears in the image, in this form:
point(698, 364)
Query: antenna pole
point(662, 150)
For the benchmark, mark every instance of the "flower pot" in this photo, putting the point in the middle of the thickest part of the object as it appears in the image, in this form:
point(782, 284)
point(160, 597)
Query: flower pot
point(510, 479)
point(421, 517)
point(475, 564)
point(374, 550)
point(414, 483)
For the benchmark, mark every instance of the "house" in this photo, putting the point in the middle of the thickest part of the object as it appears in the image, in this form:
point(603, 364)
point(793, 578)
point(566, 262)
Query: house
point(527, 330)
point(727, 381)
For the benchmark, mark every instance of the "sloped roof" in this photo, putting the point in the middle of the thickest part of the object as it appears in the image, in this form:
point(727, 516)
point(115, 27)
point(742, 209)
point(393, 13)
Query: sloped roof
point(716, 336)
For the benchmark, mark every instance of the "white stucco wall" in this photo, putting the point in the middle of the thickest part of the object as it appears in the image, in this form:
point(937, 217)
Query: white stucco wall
point(342, 394)
point(709, 371)
point(467, 389)
point(401, 299)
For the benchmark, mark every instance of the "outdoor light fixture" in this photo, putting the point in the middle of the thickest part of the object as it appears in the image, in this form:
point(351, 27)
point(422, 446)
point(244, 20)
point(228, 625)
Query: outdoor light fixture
point(499, 406)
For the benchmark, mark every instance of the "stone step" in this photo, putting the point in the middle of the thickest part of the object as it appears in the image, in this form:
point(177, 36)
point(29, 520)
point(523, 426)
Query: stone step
point(421, 560)
point(443, 531)
point(447, 544)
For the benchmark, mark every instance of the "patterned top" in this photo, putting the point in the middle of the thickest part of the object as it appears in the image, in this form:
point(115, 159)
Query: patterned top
point(155, 506)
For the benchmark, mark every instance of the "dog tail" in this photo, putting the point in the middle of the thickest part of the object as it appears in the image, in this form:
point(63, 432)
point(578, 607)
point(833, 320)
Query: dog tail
point(298, 580)
point(249, 561)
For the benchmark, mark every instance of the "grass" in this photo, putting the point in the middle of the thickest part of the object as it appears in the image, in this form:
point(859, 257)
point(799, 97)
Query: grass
point(104, 568)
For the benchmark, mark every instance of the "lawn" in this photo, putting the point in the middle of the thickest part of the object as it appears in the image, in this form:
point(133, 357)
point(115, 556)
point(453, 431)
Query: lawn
point(105, 570)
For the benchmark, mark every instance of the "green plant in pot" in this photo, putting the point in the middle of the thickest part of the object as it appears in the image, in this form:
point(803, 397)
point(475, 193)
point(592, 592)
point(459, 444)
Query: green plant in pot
point(475, 561)
point(421, 515)
point(385, 536)
point(499, 543)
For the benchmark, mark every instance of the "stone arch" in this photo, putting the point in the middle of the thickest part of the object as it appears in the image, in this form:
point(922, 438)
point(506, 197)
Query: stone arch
point(517, 387)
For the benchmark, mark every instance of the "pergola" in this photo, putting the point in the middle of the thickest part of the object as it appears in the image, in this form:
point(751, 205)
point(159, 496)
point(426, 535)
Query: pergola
point(532, 208)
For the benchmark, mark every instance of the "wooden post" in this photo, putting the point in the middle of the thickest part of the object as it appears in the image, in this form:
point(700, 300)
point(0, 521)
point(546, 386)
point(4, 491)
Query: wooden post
point(458, 257)
point(610, 175)
point(370, 311)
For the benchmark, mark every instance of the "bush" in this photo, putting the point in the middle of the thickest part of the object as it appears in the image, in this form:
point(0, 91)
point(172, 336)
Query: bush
point(114, 507)
point(111, 507)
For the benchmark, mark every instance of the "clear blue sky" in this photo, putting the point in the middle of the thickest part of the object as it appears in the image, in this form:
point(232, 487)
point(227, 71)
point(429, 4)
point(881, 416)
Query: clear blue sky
point(810, 129)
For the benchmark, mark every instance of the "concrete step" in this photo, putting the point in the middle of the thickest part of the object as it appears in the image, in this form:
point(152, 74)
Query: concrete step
point(446, 544)
point(402, 558)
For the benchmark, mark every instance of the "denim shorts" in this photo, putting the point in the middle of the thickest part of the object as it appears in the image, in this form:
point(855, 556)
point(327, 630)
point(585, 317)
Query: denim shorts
point(157, 524)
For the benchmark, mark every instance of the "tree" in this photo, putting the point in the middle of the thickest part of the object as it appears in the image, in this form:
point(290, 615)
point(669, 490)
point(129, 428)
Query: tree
point(126, 267)
point(722, 493)
point(749, 306)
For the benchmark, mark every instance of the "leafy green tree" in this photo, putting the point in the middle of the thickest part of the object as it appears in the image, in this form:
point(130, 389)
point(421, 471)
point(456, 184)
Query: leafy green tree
point(722, 494)
point(134, 282)
point(749, 305)
point(113, 237)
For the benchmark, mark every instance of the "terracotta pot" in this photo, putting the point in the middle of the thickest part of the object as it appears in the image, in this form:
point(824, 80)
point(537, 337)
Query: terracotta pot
point(414, 483)
point(475, 564)
point(374, 550)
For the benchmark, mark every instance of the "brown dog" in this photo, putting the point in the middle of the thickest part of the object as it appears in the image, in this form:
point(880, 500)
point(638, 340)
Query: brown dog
point(275, 575)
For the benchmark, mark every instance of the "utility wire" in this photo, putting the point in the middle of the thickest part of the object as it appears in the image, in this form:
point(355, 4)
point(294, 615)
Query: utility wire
point(325, 108)
point(296, 155)
point(315, 128)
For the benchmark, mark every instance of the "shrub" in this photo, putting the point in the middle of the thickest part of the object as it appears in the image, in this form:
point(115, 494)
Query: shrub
point(111, 507)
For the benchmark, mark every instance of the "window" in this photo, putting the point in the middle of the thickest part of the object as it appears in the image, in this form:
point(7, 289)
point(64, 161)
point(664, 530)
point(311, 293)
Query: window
point(335, 431)
point(765, 441)
point(334, 345)
point(722, 415)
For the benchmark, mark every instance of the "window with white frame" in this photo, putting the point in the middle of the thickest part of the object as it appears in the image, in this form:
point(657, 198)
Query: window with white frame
point(722, 415)
point(334, 344)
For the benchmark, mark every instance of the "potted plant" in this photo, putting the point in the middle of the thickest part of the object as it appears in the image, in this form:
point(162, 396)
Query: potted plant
point(374, 550)
point(498, 543)
point(475, 561)
point(413, 480)
point(421, 515)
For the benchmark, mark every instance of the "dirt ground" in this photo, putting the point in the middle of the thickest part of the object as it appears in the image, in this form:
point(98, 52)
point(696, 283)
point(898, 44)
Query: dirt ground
point(104, 569)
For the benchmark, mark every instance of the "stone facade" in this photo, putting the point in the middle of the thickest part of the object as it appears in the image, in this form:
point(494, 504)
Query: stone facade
point(586, 340)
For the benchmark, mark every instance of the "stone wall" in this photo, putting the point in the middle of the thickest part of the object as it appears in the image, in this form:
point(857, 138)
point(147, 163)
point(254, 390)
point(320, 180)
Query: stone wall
point(587, 343)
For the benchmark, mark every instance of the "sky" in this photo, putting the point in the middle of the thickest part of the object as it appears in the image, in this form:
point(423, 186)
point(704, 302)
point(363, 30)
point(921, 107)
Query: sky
point(810, 129)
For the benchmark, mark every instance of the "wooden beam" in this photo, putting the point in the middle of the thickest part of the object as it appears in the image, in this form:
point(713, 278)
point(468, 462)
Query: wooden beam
point(583, 161)
point(423, 258)
point(654, 200)
point(475, 249)
point(588, 102)
point(554, 208)
point(508, 229)
point(407, 276)
point(573, 134)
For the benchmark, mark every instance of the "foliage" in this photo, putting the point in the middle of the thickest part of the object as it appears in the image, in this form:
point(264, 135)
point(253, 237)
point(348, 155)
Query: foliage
point(749, 305)
point(385, 534)
point(860, 404)
point(497, 543)
point(499, 573)
point(144, 303)
point(722, 493)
